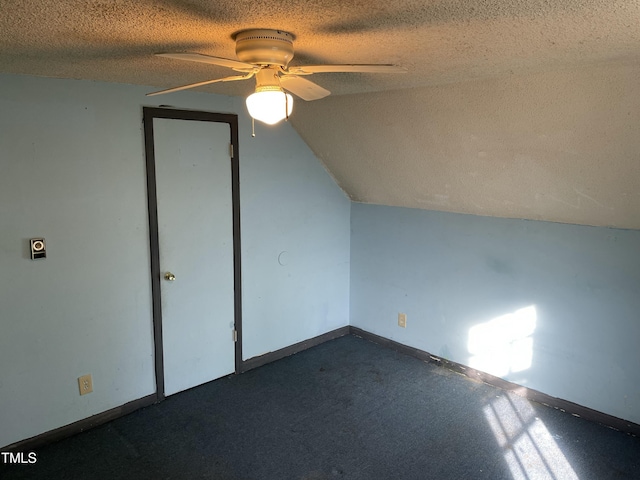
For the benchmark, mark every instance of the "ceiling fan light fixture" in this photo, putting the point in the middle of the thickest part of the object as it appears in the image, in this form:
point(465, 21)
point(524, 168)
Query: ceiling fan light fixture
point(265, 54)
point(269, 105)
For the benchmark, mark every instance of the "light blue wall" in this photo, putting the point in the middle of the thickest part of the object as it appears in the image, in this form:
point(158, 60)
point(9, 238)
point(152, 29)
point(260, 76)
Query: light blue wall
point(72, 170)
point(450, 272)
point(295, 242)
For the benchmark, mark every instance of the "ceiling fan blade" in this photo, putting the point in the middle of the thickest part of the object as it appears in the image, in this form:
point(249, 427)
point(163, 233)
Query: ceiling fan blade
point(200, 84)
point(199, 57)
point(362, 68)
point(303, 88)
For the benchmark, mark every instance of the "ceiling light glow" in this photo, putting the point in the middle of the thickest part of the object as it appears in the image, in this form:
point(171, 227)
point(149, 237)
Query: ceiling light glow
point(270, 105)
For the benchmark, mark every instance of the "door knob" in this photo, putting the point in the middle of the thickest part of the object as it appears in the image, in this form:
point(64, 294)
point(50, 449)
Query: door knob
point(169, 276)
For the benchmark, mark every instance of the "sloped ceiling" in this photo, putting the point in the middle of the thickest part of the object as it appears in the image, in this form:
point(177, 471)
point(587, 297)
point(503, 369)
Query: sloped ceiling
point(513, 108)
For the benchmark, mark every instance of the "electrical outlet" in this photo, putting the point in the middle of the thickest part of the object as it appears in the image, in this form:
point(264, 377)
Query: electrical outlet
point(402, 320)
point(85, 383)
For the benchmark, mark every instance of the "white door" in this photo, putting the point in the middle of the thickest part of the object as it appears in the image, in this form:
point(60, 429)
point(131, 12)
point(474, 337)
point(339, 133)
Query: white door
point(195, 233)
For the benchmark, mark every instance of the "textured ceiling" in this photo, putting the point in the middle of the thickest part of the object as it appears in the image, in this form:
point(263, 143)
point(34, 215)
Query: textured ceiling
point(447, 42)
point(561, 146)
point(438, 41)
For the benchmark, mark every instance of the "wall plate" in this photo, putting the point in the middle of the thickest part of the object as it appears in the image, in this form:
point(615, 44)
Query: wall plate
point(85, 384)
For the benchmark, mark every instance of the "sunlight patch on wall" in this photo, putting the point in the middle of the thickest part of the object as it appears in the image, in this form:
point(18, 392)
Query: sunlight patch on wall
point(503, 344)
point(529, 449)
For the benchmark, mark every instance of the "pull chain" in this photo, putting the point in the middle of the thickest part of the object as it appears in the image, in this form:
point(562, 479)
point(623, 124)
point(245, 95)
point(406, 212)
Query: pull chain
point(286, 107)
point(253, 127)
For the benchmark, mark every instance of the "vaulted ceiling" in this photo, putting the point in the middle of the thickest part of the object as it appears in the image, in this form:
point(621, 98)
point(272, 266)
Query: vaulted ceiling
point(512, 108)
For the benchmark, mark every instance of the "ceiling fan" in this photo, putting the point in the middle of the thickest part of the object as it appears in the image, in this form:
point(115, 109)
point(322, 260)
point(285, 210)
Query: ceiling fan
point(266, 54)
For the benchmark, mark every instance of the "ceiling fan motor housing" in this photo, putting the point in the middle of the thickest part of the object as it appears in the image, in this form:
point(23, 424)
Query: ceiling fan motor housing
point(264, 47)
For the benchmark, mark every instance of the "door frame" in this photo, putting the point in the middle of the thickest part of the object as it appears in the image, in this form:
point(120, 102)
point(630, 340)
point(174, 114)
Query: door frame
point(149, 113)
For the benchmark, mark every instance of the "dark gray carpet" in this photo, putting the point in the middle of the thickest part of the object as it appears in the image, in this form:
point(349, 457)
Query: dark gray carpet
point(347, 409)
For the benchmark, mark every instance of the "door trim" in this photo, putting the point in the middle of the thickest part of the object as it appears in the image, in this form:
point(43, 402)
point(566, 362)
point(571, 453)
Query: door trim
point(149, 113)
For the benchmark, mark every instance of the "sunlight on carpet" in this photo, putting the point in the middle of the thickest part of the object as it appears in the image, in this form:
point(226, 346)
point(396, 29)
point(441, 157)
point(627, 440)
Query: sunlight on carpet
point(529, 449)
